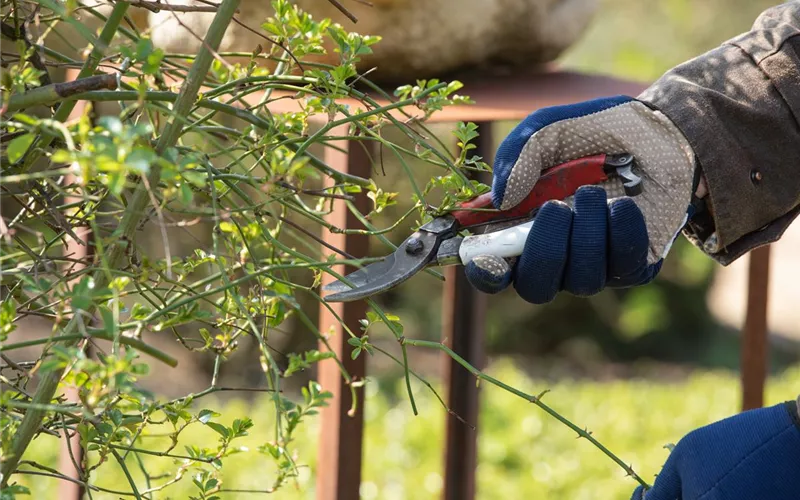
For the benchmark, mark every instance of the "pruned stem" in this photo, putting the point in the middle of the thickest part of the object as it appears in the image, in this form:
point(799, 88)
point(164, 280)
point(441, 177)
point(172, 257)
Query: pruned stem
point(57, 92)
point(533, 399)
point(122, 339)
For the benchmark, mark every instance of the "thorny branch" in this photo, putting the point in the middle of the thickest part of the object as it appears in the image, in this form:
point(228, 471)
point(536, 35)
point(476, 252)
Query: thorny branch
point(207, 160)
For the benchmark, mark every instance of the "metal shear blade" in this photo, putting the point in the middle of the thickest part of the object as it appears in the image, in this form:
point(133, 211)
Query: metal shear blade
point(417, 252)
point(412, 256)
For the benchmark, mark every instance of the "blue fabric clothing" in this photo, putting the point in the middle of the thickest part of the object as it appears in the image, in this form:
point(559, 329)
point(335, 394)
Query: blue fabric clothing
point(754, 455)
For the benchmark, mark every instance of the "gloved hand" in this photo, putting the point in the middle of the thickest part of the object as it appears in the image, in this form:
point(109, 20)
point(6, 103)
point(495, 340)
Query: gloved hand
point(755, 454)
point(599, 237)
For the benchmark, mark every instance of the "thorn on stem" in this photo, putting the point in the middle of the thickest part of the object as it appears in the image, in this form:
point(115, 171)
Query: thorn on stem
point(460, 419)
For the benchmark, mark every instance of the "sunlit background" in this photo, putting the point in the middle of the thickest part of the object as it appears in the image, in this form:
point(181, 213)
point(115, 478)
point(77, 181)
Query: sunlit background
point(639, 367)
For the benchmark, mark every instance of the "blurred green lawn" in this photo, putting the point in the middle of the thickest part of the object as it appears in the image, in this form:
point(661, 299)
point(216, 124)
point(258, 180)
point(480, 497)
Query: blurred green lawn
point(522, 452)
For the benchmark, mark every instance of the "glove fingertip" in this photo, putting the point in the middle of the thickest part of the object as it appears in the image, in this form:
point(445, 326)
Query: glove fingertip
point(586, 271)
point(488, 273)
point(628, 244)
point(539, 271)
point(638, 493)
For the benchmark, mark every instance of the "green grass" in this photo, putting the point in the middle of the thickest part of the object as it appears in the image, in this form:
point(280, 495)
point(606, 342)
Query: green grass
point(522, 452)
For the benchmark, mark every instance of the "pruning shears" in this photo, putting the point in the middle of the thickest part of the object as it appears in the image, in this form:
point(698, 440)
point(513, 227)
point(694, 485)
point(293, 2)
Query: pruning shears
point(438, 242)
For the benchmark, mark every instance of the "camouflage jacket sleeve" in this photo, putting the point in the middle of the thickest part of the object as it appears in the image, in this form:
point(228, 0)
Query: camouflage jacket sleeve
point(739, 107)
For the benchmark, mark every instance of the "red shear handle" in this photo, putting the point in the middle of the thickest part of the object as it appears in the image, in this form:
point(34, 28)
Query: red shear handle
point(556, 183)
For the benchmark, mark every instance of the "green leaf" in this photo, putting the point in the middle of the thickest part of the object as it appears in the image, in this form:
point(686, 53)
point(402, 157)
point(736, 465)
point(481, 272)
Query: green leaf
point(185, 194)
point(355, 353)
point(205, 416)
point(140, 159)
point(108, 319)
point(220, 429)
point(116, 182)
point(18, 147)
point(227, 227)
point(271, 448)
point(51, 364)
point(120, 283)
point(8, 312)
point(9, 492)
point(354, 341)
point(116, 417)
point(153, 62)
point(207, 339)
point(110, 123)
point(314, 355)
point(61, 156)
point(140, 312)
point(104, 429)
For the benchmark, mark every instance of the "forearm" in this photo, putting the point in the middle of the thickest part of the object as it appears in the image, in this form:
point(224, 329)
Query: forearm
point(739, 107)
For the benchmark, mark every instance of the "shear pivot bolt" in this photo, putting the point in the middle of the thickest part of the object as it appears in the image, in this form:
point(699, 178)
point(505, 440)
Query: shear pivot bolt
point(414, 246)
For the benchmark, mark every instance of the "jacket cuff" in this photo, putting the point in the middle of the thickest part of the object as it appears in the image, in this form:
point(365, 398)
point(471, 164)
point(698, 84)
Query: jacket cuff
point(739, 107)
point(638, 493)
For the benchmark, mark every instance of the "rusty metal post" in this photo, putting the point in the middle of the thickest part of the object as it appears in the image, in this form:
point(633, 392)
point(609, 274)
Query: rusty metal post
point(754, 338)
point(71, 458)
point(463, 329)
point(341, 434)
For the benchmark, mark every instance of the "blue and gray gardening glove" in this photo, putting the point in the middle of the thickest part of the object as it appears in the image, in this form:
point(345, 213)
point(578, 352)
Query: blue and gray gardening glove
point(755, 454)
point(599, 237)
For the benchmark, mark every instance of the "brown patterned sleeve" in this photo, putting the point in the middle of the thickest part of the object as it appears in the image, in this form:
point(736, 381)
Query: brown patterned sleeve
point(739, 107)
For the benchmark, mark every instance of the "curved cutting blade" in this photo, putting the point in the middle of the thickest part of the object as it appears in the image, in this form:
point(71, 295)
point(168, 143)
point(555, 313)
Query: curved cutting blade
point(411, 257)
point(360, 277)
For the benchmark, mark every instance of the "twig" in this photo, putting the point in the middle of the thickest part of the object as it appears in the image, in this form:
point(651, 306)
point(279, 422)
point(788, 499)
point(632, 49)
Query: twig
point(159, 6)
point(163, 227)
point(315, 192)
point(316, 238)
point(62, 477)
point(343, 10)
point(10, 362)
point(212, 50)
point(9, 32)
point(122, 339)
point(583, 433)
point(156, 96)
point(428, 385)
point(270, 40)
point(127, 473)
